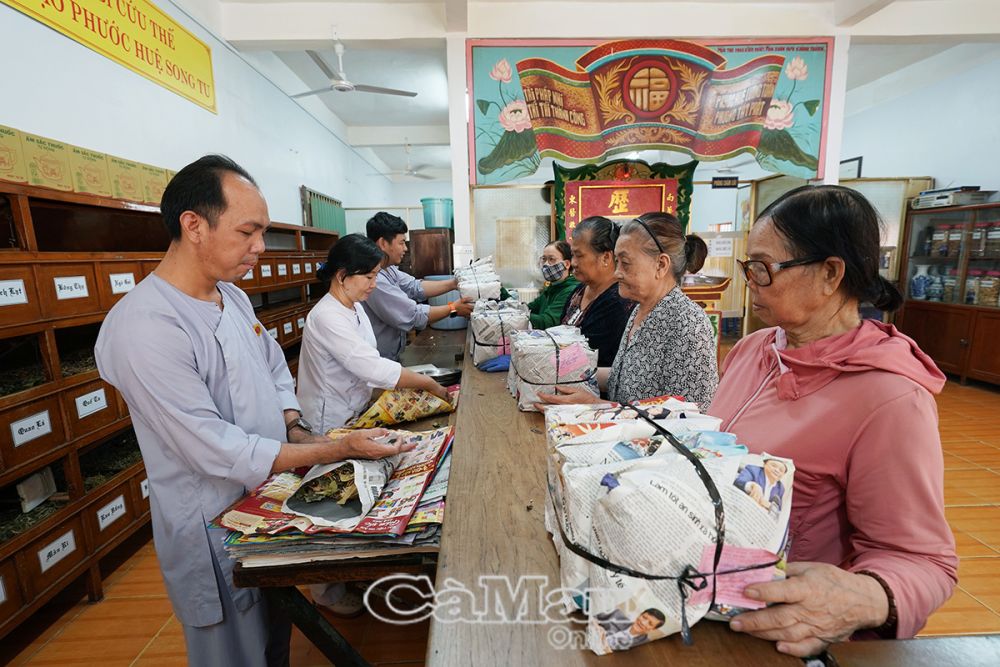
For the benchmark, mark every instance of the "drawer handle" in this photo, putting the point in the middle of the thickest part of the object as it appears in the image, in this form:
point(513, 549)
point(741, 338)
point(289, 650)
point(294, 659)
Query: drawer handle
point(964, 342)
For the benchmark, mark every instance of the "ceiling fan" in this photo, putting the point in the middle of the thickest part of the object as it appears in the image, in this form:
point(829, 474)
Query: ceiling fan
point(415, 172)
point(340, 82)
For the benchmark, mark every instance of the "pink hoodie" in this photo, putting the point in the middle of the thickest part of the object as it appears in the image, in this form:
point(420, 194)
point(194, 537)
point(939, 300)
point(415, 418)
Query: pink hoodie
point(855, 412)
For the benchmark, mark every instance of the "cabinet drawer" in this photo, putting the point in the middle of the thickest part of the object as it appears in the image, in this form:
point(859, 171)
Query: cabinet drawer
point(300, 324)
point(250, 279)
point(116, 279)
point(53, 556)
point(30, 430)
point(140, 493)
point(286, 331)
point(66, 290)
point(282, 274)
point(295, 268)
point(265, 271)
point(309, 269)
point(273, 330)
point(11, 599)
point(149, 267)
point(89, 407)
point(109, 516)
point(18, 298)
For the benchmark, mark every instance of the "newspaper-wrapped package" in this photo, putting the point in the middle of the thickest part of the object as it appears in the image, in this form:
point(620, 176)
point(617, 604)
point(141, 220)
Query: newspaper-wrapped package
point(659, 519)
point(659, 407)
point(479, 280)
point(578, 473)
point(556, 357)
point(340, 494)
point(493, 323)
point(397, 406)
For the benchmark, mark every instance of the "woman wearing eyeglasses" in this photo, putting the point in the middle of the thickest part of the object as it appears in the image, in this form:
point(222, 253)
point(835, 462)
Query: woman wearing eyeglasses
point(668, 346)
point(851, 402)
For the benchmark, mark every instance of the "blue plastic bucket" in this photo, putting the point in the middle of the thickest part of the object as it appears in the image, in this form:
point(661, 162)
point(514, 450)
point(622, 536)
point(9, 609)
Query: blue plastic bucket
point(447, 323)
point(437, 212)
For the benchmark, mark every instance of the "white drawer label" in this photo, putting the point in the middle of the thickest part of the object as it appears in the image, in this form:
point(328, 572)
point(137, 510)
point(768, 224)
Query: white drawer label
point(296, 269)
point(56, 550)
point(282, 269)
point(90, 403)
point(248, 275)
point(31, 427)
point(12, 292)
point(302, 322)
point(111, 512)
point(71, 287)
point(265, 271)
point(273, 332)
point(3, 592)
point(121, 282)
point(309, 267)
point(287, 326)
point(144, 488)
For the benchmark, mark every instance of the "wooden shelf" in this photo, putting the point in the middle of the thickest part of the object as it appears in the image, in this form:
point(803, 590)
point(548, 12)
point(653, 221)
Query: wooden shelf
point(71, 258)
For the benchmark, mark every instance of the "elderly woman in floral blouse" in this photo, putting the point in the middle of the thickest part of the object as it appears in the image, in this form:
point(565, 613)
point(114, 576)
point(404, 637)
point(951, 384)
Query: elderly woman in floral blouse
point(668, 346)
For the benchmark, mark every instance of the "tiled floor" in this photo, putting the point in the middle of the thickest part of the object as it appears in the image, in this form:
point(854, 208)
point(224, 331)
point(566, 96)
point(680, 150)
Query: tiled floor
point(134, 624)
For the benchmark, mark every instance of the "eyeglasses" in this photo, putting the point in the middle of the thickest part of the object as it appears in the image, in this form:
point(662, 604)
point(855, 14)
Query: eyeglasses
point(762, 273)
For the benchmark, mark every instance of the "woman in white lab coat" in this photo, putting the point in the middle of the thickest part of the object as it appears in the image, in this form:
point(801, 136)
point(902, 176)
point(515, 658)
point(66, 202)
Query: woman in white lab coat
point(339, 365)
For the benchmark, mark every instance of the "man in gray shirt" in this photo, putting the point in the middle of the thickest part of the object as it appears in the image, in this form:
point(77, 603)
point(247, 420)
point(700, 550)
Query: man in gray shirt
point(395, 307)
point(212, 404)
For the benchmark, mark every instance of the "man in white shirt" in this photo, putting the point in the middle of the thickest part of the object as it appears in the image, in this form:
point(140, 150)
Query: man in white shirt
point(212, 404)
point(395, 307)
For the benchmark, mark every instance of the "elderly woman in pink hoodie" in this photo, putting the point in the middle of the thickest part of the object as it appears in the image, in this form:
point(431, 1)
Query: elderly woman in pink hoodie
point(851, 401)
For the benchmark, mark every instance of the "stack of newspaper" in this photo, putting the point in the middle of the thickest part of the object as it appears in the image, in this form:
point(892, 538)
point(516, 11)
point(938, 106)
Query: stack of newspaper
point(545, 359)
point(350, 509)
point(493, 323)
point(624, 495)
point(479, 280)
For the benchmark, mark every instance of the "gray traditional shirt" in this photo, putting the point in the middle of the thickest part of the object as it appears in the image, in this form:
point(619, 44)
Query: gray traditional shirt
point(673, 353)
point(206, 389)
point(394, 310)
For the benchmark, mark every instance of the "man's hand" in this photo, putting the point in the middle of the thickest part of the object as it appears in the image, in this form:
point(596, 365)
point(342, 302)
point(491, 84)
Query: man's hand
point(565, 396)
point(464, 306)
point(818, 605)
point(754, 491)
point(362, 444)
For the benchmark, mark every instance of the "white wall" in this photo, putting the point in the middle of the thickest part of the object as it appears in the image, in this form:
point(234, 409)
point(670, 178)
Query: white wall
point(65, 91)
point(947, 129)
point(410, 193)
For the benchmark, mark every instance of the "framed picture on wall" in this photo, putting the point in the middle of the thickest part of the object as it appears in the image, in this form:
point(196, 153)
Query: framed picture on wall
point(851, 168)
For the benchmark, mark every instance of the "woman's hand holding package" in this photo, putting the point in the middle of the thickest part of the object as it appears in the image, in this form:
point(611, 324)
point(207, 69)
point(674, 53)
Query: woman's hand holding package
point(567, 397)
point(817, 605)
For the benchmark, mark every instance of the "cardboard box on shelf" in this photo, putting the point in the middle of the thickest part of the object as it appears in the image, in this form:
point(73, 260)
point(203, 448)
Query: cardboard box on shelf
point(48, 162)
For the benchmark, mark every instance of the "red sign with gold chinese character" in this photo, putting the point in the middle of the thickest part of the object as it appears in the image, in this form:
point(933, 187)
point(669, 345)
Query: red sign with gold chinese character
point(618, 200)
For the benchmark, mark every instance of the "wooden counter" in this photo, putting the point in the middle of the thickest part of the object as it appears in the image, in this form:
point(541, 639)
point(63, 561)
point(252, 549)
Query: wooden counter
point(970, 651)
point(495, 526)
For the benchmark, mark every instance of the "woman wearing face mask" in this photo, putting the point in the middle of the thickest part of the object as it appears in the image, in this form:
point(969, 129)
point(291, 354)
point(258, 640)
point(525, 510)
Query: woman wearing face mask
point(547, 309)
point(596, 306)
point(669, 345)
point(339, 365)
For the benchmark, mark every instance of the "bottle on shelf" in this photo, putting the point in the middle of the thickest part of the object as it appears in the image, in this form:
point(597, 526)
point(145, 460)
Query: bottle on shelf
point(955, 240)
point(950, 283)
point(935, 286)
point(993, 239)
point(919, 282)
point(939, 242)
point(977, 244)
point(989, 289)
point(972, 286)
